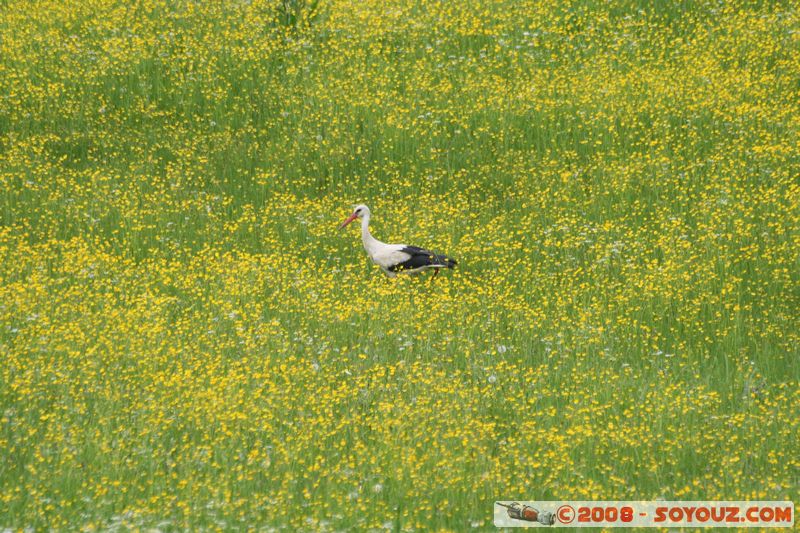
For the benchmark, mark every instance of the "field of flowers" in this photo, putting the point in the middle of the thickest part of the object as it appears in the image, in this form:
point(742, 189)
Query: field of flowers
point(187, 341)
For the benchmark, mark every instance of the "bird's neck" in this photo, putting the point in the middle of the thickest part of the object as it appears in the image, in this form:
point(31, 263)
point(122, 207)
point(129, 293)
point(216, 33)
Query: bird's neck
point(370, 242)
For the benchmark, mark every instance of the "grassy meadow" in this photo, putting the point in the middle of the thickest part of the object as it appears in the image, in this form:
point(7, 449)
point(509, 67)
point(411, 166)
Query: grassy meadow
point(188, 342)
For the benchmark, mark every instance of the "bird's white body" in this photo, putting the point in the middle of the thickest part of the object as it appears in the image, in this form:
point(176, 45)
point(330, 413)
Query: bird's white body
point(396, 258)
point(382, 254)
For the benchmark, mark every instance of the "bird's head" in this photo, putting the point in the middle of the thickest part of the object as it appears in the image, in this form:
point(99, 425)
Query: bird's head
point(359, 211)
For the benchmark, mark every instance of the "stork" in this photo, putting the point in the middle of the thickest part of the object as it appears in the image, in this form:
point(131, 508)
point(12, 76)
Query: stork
point(396, 258)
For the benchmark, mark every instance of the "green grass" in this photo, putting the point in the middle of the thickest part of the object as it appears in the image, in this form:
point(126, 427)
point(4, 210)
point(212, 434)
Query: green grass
point(187, 342)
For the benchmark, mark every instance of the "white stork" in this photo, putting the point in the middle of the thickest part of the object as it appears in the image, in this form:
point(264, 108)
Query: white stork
point(396, 258)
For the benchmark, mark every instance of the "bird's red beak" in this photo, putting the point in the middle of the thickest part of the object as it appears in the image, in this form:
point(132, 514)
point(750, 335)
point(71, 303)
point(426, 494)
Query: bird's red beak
point(349, 220)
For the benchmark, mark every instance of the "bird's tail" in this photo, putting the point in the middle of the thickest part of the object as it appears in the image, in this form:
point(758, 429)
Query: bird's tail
point(447, 261)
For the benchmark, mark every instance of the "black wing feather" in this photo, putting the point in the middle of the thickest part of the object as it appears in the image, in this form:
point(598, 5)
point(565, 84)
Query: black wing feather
point(420, 257)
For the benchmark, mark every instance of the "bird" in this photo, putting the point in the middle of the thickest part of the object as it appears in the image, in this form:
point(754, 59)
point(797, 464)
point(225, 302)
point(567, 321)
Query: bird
point(396, 259)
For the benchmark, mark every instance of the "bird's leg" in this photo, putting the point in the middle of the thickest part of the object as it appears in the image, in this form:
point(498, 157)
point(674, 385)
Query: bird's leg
point(435, 273)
